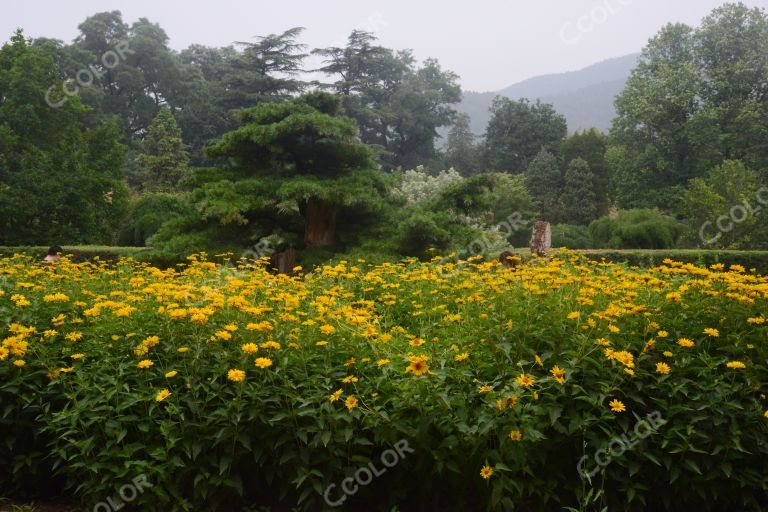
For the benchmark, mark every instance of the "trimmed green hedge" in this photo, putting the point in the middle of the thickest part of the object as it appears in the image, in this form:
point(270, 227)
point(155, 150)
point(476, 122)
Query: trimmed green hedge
point(757, 260)
point(648, 258)
point(81, 252)
point(640, 257)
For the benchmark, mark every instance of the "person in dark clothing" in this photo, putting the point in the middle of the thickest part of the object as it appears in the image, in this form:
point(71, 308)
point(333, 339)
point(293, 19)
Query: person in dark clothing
point(54, 254)
point(509, 260)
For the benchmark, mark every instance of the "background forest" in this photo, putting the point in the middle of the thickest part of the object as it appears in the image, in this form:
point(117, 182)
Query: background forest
point(117, 139)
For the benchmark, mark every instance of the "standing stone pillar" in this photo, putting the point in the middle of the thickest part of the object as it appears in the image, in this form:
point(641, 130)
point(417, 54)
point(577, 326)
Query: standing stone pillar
point(541, 239)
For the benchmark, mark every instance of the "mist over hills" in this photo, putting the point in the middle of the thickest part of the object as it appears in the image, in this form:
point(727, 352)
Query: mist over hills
point(585, 97)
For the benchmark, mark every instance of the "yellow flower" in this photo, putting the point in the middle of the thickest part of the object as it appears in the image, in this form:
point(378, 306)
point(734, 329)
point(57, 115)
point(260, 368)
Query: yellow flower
point(19, 363)
point(74, 336)
point(222, 335)
point(321, 343)
point(181, 350)
point(737, 365)
point(418, 365)
point(766, 414)
point(268, 345)
point(236, 375)
point(349, 378)
point(573, 315)
point(162, 395)
point(617, 405)
point(516, 435)
point(662, 368)
point(667, 353)
point(486, 472)
point(711, 332)
point(558, 373)
point(382, 362)
point(510, 401)
point(77, 356)
point(613, 329)
point(758, 320)
point(230, 327)
point(685, 342)
point(336, 395)
point(55, 297)
point(249, 348)
point(485, 389)
point(171, 374)
point(538, 360)
point(351, 402)
point(461, 357)
point(327, 329)
point(263, 362)
point(145, 363)
point(525, 381)
point(151, 341)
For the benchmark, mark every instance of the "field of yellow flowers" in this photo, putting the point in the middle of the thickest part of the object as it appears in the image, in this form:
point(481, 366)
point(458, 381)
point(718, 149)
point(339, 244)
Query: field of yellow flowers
point(224, 385)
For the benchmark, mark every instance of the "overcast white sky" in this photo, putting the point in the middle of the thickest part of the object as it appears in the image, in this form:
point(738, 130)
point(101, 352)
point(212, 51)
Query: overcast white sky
point(490, 43)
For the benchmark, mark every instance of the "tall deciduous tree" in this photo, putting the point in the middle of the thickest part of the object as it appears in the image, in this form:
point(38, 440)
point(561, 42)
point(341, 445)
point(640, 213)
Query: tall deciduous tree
point(60, 181)
point(697, 97)
point(518, 130)
point(133, 71)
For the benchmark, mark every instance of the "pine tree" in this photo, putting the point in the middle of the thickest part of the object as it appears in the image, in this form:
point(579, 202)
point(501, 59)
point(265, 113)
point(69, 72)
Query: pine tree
point(163, 158)
point(544, 182)
point(292, 168)
point(460, 150)
point(579, 199)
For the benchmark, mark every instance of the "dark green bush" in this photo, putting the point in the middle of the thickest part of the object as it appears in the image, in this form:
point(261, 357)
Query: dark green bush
point(636, 229)
point(571, 236)
point(148, 213)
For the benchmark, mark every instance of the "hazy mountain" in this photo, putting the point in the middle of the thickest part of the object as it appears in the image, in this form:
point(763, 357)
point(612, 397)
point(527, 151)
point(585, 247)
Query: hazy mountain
point(584, 97)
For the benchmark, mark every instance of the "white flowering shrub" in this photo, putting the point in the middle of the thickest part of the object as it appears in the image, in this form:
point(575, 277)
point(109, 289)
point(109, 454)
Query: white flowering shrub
point(418, 186)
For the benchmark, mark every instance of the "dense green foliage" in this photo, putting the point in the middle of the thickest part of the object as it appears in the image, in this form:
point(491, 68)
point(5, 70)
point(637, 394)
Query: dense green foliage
point(162, 159)
point(103, 140)
point(544, 180)
point(398, 107)
point(696, 97)
point(226, 387)
point(517, 131)
point(59, 174)
point(636, 229)
point(578, 199)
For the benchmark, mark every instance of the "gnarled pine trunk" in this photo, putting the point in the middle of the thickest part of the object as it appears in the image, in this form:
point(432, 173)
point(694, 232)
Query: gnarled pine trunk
point(319, 223)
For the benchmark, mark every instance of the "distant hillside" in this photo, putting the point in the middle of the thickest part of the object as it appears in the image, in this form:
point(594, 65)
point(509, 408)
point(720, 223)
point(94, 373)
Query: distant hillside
point(584, 97)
